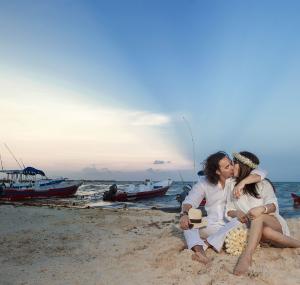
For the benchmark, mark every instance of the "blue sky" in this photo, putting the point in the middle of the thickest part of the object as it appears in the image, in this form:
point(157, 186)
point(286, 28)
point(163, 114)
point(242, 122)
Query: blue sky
point(98, 89)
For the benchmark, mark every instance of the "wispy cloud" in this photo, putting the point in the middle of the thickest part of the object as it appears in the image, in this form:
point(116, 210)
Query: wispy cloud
point(124, 175)
point(149, 119)
point(161, 162)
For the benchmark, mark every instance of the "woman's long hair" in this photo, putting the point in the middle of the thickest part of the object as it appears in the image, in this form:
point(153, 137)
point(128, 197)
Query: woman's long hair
point(245, 170)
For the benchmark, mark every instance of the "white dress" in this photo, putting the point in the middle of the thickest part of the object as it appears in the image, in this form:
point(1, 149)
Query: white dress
point(247, 202)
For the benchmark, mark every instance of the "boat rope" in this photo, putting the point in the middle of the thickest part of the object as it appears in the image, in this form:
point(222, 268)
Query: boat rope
point(12, 155)
point(22, 163)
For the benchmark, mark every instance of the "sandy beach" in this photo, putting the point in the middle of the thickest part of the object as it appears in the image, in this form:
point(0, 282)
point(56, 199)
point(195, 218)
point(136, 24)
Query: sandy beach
point(42, 245)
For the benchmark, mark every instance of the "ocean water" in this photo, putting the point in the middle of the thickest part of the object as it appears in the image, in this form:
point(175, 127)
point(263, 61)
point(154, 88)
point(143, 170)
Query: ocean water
point(91, 193)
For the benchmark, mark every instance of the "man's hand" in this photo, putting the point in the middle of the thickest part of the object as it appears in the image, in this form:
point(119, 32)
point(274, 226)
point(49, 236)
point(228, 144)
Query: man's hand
point(184, 222)
point(242, 217)
point(255, 212)
point(238, 189)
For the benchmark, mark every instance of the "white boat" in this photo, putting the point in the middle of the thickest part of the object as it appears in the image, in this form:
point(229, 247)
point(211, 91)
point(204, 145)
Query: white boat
point(25, 184)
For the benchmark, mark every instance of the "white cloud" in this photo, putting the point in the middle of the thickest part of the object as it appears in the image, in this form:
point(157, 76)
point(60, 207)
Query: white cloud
point(58, 129)
point(149, 119)
point(160, 162)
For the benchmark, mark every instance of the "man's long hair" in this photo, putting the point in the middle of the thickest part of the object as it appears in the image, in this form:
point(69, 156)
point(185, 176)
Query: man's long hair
point(245, 170)
point(211, 165)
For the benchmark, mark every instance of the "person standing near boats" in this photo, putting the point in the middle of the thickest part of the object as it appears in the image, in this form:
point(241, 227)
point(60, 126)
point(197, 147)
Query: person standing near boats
point(217, 168)
point(257, 207)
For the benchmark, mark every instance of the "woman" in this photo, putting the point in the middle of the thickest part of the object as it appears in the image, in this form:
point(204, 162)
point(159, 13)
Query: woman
point(257, 207)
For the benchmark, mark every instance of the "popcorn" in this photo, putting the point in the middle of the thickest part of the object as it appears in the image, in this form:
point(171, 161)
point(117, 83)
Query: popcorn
point(236, 241)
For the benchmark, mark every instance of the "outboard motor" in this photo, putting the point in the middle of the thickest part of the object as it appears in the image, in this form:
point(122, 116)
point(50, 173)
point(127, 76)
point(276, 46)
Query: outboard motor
point(2, 187)
point(186, 189)
point(108, 195)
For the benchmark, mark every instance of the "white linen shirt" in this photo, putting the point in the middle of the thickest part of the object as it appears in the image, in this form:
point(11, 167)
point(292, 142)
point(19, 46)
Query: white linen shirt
point(215, 197)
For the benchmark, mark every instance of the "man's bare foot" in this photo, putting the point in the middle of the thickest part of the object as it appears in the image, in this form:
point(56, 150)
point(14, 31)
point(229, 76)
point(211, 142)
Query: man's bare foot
point(242, 265)
point(200, 257)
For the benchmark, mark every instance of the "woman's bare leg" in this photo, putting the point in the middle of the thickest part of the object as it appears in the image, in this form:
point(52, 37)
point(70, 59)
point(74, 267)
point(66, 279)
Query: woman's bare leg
point(255, 235)
point(278, 239)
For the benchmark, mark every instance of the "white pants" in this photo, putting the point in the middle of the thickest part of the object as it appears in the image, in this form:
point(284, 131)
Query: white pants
point(215, 235)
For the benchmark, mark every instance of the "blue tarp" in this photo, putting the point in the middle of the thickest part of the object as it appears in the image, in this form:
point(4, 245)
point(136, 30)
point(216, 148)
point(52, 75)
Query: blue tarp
point(33, 171)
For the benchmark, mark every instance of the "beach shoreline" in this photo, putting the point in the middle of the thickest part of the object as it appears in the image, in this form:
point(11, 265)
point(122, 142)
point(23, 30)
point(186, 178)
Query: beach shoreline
point(42, 245)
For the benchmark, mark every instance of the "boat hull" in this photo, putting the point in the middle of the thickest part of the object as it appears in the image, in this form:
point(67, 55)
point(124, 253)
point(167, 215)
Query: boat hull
point(296, 199)
point(12, 194)
point(122, 196)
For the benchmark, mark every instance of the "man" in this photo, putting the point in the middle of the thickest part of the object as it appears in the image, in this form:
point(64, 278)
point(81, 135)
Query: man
point(217, 168)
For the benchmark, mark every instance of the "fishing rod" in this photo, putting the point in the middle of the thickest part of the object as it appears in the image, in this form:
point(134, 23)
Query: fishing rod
point(181, 177)
point(13, 155)
point(193, 142)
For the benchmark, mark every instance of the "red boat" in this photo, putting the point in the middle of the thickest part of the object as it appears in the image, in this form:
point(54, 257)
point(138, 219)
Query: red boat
point(13, 194)
point(22, 184)
point(296, 199)
point(143, 191)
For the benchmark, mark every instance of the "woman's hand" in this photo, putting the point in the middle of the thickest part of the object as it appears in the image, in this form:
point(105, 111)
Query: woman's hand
point(255, 212)
point(238, 189)
point(184, 222)
point(242, 217)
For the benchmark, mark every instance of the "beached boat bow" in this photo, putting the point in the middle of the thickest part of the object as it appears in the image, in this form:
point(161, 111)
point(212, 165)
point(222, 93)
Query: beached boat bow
point(142, 191)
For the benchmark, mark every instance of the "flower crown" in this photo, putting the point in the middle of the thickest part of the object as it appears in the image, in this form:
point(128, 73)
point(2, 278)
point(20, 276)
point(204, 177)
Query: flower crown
point(245, 160)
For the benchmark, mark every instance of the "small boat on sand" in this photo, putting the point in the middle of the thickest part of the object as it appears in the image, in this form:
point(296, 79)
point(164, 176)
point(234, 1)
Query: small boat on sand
point(296, 198)
point(25, 184)
point(142, 191)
